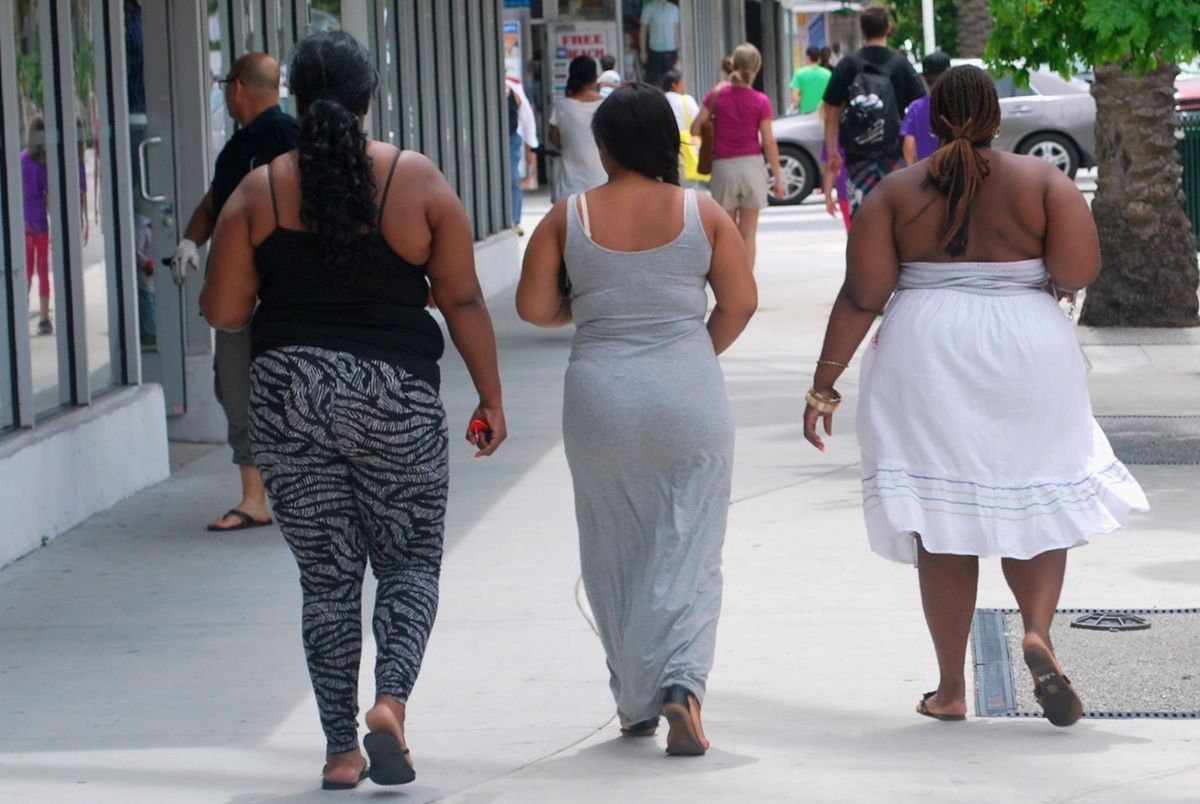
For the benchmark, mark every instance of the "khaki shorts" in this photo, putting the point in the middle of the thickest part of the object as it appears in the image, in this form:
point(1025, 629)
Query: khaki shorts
point(740, 182)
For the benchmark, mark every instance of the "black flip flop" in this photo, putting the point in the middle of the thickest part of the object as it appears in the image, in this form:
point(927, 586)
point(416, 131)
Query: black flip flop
point(246, 522)
point(388, 763)
point(1053, 690)
point(923, 709)
point(643, 728)
point(328, 785)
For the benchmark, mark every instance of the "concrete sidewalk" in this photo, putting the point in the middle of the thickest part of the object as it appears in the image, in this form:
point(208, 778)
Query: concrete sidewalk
point(142, 659)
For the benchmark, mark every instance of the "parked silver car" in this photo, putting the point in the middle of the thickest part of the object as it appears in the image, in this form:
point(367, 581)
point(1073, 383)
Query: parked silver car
point(1052, 118)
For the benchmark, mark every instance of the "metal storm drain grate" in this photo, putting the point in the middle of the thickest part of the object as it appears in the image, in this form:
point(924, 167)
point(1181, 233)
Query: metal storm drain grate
point(1167, 440)
point(1127, 663)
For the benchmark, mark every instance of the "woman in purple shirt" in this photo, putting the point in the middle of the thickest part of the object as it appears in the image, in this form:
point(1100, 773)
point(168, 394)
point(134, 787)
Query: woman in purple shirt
point(741, 115)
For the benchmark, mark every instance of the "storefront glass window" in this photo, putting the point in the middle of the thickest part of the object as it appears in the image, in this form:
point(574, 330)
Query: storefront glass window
point(103, 337)
point(38, 135)
point(324, 15)
point(587, 9)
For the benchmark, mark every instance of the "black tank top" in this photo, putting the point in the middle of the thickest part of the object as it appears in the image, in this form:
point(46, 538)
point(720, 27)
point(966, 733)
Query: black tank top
point(372, 306)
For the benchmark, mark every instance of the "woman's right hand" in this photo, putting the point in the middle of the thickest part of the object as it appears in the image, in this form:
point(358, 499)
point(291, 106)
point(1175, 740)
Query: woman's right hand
point(811, 416)
point(487, 440)
point(831, 205)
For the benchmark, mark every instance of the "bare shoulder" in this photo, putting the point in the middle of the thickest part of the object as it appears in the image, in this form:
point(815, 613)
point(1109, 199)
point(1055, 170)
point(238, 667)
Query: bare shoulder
point(900, 184)
point(1031, 171)
point(711, 215)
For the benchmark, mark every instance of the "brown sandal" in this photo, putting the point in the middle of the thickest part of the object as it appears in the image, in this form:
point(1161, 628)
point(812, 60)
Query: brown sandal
point(1053, 689)
point(682, 711)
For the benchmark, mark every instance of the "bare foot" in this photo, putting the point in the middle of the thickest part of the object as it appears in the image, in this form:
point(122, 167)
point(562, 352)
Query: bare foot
point(387, 715)
point(944, 707)
point(345, 767)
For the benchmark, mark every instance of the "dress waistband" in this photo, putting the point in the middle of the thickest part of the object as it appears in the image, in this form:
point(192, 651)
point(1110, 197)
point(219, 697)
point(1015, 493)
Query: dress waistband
point(986, 278)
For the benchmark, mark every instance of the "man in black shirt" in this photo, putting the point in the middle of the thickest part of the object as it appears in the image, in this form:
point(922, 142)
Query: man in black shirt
point(252, 98)
point(865, 102)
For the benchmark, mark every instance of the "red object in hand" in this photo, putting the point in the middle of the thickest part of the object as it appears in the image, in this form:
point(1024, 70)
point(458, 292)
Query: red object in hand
point(478, 426)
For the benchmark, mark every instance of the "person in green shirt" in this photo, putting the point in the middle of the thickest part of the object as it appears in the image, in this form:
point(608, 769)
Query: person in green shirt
point(808, 84)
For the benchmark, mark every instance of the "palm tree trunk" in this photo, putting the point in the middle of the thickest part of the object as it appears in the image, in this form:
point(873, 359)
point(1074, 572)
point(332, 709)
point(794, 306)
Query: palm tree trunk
point(974, 27)
point(1149, 275)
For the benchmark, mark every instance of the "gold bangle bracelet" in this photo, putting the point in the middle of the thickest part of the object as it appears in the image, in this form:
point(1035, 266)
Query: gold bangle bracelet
point(832, 363)
point(823, 404)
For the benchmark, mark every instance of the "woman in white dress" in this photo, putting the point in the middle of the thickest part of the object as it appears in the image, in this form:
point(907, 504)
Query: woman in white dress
point(975, 425)
point(579, 168)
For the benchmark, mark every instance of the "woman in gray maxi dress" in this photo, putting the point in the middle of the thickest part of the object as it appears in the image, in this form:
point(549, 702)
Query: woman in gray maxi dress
point(647, 425)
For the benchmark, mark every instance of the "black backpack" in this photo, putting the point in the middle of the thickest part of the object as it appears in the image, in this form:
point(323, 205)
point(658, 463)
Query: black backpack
point(513, 115)
point(870, 124)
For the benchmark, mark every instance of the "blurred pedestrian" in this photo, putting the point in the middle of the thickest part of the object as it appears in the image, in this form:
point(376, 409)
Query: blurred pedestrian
point(742, 134)
point(347, 426)
point(607, 82)
point(919, 140)
point(658, 38)
point(570, 131)
point(522, 138)
point(252, 99)
point(866, 99)
point(685, 108)
point(647, 425)
point(809, 82)
point(974, 422)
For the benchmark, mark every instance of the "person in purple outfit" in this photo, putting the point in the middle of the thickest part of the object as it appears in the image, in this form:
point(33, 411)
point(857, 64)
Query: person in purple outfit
point(35, 185)
point(919, 141)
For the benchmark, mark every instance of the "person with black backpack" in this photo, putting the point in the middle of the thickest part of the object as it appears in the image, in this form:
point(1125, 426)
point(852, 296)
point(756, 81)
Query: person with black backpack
point(865, 103)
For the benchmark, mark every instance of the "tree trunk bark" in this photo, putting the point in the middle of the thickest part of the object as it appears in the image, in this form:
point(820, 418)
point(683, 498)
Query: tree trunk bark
point(1148, 275)
point(974, 27)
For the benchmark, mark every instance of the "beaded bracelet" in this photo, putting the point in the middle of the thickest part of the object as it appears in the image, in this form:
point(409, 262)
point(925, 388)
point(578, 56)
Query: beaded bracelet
point(832, 363)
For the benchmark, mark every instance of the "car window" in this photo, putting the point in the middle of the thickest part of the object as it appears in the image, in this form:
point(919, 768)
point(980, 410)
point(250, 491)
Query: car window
point(1006, 88)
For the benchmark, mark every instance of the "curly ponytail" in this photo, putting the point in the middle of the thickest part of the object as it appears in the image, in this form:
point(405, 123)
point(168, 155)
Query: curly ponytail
point(333, 79)
point(965, 114)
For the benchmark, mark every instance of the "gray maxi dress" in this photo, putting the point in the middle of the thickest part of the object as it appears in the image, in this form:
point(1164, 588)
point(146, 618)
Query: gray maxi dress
point(648, 434)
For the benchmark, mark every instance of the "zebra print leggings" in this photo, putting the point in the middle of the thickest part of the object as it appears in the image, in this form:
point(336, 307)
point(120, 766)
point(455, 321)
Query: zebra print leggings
point(354, 456)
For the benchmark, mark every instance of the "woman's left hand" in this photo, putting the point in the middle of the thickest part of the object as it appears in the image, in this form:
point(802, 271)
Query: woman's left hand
point(779, 190)
point(811, 416)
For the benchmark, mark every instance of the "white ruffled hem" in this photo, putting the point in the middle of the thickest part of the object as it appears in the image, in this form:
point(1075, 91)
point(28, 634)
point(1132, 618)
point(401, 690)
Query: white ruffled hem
point(966, 518)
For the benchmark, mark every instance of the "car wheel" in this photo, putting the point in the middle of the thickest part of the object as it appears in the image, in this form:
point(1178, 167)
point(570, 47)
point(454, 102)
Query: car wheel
point(799, 176)
point(1055, 149)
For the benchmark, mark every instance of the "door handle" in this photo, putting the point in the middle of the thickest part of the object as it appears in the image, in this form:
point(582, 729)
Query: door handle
point(1022, 109)
point(143, 178)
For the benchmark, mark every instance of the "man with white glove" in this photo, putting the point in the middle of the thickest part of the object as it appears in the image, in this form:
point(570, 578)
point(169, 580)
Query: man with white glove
point(265, 132)
point(187, 255)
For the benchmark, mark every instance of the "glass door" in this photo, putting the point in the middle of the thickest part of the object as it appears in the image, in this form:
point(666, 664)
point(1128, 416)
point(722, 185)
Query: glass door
point(168, 120)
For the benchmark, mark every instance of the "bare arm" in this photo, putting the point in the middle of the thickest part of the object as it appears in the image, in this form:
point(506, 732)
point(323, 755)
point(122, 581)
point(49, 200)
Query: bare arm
point(1072, 250)
point(833, 159)
point(700, 120)
point(795, 98)
point(203, 221)
point(555, 137)
point(910, 149)
point(771, 149)
point(872, 270)
point(455, 288)
point(730, 276)
point(231, 285)
point(540, 298)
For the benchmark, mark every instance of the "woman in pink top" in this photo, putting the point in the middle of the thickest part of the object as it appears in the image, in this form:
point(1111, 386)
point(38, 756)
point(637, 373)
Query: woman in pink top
point(741, 115)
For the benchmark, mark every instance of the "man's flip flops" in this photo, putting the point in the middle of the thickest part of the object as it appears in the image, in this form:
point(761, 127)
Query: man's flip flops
point(245, 522)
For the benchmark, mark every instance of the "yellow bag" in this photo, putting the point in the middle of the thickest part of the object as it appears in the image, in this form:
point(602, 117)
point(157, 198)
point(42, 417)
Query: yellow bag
point(689, 151)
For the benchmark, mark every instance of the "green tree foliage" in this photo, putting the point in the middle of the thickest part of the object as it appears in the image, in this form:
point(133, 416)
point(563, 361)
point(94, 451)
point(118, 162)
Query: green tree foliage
point(1069, 35)
point(908, 33)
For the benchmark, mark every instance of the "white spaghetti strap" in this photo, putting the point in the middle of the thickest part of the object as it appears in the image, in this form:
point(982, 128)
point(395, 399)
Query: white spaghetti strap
point(583, 215)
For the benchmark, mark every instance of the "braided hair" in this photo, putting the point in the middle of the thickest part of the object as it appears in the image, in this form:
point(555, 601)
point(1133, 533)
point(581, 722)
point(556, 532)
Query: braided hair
point(965, 114)
point(333, 78)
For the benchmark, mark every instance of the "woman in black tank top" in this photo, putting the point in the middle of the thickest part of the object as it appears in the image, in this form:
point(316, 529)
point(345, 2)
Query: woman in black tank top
point(346, 424)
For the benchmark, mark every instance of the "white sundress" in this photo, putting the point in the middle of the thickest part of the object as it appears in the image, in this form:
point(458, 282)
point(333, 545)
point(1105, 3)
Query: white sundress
point(975, 424)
